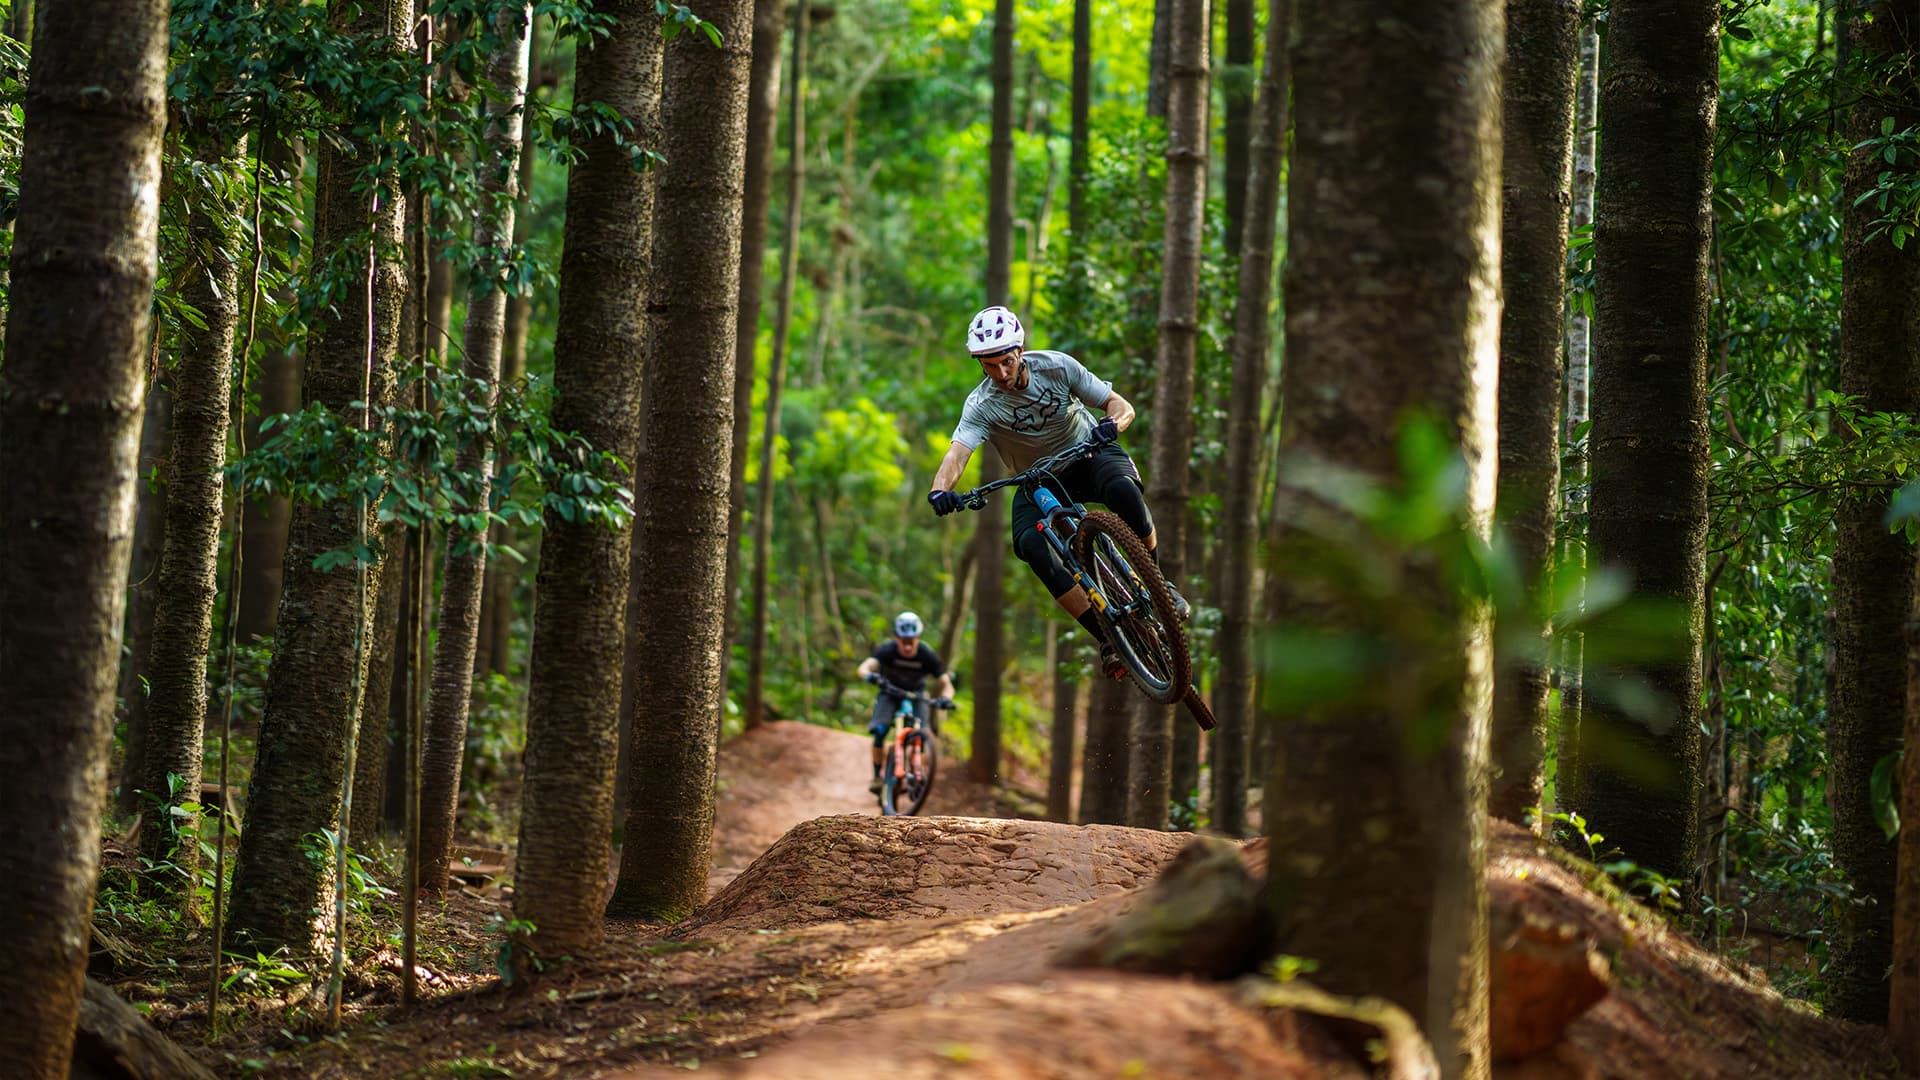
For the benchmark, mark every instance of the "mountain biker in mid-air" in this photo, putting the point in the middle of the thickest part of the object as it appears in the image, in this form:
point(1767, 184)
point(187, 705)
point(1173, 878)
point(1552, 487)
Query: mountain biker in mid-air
point(1031, 404)
point(904, 661)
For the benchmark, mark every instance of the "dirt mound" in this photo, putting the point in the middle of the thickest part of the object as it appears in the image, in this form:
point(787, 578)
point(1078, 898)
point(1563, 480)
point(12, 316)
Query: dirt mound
point(1071, 1027)
point(837, 868)
point(1675, 1009)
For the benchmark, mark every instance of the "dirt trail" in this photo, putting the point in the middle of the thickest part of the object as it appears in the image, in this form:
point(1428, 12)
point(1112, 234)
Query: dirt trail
point(924, 947)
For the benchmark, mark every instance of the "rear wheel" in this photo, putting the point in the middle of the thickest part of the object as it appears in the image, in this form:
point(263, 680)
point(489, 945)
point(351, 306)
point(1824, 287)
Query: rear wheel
point(1138, 607)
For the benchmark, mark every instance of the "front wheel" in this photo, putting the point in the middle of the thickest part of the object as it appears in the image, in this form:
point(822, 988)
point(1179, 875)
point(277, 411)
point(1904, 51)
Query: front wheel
point(1137, 606)
point(905, 785)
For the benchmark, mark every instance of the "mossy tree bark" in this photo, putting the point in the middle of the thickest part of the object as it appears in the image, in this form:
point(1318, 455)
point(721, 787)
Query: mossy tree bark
point(1376, 802)
point(1150, 769)
point(279, 892)
point(208, 280)
point(71, 393)
point(579, 621)
point(1872, 567)
point(1658, 83)
point(464, 569)
point(1537, 164)
point(1233, 698)
point(682, 525)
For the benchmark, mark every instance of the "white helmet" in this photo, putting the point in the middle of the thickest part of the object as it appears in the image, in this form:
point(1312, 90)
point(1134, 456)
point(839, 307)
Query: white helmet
point(995, 330)
point(906, 624)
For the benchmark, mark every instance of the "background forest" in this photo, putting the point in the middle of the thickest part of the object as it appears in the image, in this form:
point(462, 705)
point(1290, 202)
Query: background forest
point(441, 457)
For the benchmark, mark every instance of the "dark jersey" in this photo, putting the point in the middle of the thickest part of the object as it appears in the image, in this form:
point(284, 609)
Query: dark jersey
point(908, 673)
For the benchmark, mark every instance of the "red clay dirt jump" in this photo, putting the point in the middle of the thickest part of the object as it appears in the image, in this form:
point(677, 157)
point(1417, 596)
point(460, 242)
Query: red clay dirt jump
point(924, 947)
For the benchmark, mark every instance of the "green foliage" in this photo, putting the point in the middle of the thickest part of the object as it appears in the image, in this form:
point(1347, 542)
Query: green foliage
point(405, 464)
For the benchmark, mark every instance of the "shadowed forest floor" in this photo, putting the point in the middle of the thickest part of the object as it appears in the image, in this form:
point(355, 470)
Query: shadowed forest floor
point(809, 961)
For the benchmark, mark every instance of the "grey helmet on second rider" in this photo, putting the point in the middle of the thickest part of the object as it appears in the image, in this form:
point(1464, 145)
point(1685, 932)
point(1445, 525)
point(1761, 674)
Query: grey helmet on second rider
point(906, 625)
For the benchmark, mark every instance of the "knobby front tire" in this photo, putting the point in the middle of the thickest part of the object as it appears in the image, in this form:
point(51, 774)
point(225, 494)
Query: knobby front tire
point(904, 795)
point(1152, 644)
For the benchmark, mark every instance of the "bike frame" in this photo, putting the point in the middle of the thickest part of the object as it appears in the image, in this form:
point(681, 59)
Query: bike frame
point(1058, 521)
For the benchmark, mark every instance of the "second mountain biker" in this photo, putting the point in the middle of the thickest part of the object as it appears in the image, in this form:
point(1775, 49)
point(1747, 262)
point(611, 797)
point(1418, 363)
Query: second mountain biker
point(1030, 404)
point(906, 662)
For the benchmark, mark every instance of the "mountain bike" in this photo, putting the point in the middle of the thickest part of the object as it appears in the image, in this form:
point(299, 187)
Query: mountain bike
point(1123, 583)
point(913, 754)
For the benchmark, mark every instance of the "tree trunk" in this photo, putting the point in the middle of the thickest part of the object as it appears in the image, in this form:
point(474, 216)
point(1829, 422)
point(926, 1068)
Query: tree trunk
point(1060, 742)
point(503, 575)
point(208, 279)
point(1649, 436)
point(579, 621)
point(20, 22)
point(1579, 339)
point(294, 792)
point(71, 394)
point(1158, 56)
point(763, 100)
point(1103, 764)
point(1238, 133)
point(683, 510)
point(1376, 801)
point(1542, 61)
point(463, 574)
point(1903, 1020)
point(1872, 567)
point(990, 535)
point(1077, 167)
point(149, 528)
point(1233, 696)
point(375, 744)
point(263, 531)
point(1173, 400)
point(776, 368)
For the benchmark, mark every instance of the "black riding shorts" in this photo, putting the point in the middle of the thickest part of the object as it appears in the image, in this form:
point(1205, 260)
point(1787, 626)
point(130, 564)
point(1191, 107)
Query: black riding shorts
point(1106, 476)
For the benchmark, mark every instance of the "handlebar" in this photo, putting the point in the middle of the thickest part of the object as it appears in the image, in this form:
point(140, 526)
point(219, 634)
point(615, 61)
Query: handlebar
point(887, 687)
point(977, 498)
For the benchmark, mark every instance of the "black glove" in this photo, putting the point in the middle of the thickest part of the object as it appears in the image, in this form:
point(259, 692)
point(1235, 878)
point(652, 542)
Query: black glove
point(943, 502)
point(1106, 431)
point(872, 677)
point(943, 703)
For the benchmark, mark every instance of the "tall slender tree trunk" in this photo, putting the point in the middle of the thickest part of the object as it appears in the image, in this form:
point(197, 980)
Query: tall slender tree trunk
point(294, 791)
point(1233, 698)
point(1376, 803)
point(1060, 738)
point(463, 574)
point(70, 402)
point(208, 280)
point(1573, 543)
point(374, 746)
point(990, 535)
point(1159, 57)
point(1239, 120)
point(1872, 567)
point(579, 621)
point(503, 575)
point(149, 528)
point(1150, 770)
point(776, 368)
point(1103, 764)
point(1649, 436)
point(1541, 64)
point(763, 101)
point(263, 530)
point(20, 21)
point(1903, 1020)
point(683, 510)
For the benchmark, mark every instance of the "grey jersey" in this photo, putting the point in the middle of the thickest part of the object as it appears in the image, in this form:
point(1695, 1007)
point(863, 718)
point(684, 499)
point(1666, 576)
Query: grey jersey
point(1048, 416)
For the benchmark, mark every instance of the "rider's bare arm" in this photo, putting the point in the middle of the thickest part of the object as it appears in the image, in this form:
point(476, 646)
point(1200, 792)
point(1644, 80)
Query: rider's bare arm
point(868, 667)
point(946, 686)
point(1121, 410)
point(955, 463)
